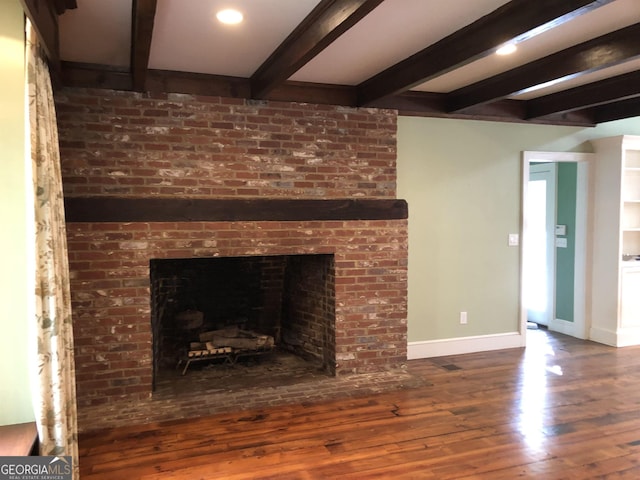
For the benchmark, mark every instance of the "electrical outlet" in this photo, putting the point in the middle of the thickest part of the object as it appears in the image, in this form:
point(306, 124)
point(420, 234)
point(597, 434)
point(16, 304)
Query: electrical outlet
point(463, 318)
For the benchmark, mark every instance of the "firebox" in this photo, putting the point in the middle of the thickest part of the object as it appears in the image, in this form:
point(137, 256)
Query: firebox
point(224, 308)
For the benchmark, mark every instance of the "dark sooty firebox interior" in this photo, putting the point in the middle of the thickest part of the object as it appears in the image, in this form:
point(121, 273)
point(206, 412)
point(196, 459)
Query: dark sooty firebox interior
point(232, 312)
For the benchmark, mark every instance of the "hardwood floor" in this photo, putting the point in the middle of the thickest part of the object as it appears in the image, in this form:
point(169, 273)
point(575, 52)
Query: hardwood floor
point(560, 409)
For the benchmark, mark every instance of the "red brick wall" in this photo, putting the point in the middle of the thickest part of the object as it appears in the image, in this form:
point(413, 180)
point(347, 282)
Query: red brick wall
point(130, 144)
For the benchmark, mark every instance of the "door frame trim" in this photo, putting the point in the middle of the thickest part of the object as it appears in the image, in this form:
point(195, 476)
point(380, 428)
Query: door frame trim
point(582, 274)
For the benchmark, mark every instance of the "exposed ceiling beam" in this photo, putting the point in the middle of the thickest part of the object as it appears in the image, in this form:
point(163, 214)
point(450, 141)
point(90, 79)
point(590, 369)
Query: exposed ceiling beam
point(85, 75)
point(618, 110)
point(515, 21)
point(429, 104)
point(410, 103)
point(604, 91)
point(163, 81)
point(143, 17)
point(607, 50)
point(329, 20)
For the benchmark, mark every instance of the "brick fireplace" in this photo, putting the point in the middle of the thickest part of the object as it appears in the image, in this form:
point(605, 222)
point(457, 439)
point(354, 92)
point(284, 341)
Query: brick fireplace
point(152, 177)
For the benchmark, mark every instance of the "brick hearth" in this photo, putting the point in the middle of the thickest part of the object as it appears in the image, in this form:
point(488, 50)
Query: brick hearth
point(133, 146)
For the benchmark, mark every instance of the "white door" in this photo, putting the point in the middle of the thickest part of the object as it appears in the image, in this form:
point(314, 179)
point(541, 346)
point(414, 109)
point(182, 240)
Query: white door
point(539, 246)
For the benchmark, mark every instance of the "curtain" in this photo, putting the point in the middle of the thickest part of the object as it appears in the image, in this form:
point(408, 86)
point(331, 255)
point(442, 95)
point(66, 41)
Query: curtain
point(55, 395)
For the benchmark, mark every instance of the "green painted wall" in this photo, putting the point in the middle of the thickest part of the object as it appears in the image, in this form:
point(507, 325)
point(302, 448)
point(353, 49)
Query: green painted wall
point(462, 180)
point(565, 257)
point(15, 398)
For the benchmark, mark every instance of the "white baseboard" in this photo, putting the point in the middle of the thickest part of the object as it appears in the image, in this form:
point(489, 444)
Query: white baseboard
point(603, 335)
point(624, 337)
point(458, 346)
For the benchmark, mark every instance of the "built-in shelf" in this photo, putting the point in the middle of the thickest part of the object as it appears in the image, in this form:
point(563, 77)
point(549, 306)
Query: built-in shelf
point(631, 196)
point(615, 310)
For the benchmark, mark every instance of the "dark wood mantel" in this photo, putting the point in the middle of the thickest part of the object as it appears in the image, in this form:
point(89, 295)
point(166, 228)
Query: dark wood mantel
point(120, 209)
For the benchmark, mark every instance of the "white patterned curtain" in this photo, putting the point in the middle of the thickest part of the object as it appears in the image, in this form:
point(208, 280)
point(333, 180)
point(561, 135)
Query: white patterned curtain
point(55, 398)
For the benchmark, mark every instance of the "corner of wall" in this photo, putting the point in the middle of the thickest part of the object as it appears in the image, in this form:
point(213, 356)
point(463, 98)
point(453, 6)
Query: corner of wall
point(15, 394)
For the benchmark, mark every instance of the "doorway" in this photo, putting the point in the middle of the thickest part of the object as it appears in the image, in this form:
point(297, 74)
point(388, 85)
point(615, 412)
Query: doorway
point(538, 262)
point(539, 259)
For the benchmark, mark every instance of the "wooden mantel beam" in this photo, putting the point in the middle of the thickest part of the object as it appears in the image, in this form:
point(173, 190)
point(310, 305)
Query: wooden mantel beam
point(120, 209)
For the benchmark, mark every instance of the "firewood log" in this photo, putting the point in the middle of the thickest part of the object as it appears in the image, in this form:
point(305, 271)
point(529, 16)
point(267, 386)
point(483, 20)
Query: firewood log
point(229, 332)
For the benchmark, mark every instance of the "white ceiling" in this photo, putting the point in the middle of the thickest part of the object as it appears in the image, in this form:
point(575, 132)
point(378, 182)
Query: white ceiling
point(97, 32)
point(393, 31)
point(187, 37)
point(190, 39)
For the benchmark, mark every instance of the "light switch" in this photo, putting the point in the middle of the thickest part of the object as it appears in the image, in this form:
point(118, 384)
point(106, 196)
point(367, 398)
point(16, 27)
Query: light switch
point(561, 230)
point(514, 239)
point(561, 242)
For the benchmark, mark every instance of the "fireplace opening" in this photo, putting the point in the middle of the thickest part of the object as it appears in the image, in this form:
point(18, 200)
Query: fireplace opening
point(229, 322)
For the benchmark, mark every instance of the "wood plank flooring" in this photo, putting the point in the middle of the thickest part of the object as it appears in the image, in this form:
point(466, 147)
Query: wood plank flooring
point(560, 409)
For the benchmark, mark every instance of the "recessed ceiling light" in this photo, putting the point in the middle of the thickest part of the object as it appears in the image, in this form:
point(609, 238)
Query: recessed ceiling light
point(506, 49)
point(229, 16)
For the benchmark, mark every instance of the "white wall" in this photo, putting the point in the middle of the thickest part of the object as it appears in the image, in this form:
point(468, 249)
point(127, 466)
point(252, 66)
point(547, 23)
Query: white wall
point(462, 180)
point(15, 399)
